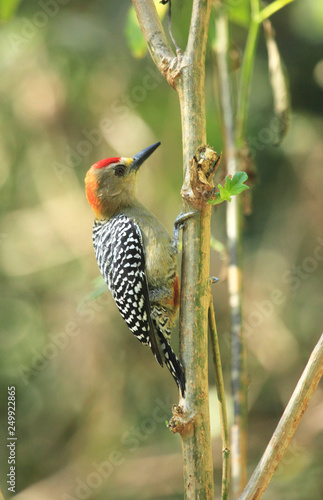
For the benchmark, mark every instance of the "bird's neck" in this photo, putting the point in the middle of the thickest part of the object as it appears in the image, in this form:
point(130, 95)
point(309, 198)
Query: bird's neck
point(115, 206)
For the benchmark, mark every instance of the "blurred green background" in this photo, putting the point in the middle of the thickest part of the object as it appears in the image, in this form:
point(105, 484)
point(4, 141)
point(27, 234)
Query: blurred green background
point(91, 402)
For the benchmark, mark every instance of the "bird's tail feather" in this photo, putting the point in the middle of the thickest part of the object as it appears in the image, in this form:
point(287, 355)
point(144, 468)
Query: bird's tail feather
point(173, 364)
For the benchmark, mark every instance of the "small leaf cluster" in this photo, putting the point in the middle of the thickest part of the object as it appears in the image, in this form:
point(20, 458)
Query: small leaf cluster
point(233, 186)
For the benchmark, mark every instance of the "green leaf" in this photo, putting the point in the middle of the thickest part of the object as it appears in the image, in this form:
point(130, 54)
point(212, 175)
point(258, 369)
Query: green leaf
point(232, 187)
point(224, 191)
point(236, 184)
point(8, 8)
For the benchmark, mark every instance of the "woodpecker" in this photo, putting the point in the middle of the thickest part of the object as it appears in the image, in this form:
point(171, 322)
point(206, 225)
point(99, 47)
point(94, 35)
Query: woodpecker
point(136, 256)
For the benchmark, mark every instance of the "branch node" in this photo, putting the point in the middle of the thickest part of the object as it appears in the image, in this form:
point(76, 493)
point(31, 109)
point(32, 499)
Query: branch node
point(171, 68)
point(202, 169)
point(181, 421)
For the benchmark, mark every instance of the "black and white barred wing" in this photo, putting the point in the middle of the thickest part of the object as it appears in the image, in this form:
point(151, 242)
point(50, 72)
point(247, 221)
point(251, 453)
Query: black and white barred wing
point(121, 259)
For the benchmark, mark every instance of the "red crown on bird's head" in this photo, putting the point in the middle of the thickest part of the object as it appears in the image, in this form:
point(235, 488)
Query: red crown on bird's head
point(106, 162)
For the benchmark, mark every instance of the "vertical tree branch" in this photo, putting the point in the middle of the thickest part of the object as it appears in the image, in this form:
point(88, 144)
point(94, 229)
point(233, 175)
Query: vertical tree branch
point(187, 75)
point(222, 405)
point(239, 428)
point(198, 467)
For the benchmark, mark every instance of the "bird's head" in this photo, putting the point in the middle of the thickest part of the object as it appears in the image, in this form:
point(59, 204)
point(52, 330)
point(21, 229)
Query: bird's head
point(110, 184)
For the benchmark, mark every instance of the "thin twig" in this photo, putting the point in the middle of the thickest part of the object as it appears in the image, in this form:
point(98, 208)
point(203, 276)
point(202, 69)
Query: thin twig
point(239, 428)
point(287, 425)
point(178, 49)
point(271, 9)
point(246, 71)
point(257, 17)
point(222, 405)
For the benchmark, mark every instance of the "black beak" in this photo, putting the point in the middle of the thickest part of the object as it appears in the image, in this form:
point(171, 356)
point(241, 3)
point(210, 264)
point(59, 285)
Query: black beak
point(139, 158)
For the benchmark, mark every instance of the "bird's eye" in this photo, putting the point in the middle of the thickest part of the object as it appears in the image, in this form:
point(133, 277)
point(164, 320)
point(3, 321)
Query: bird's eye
point(120, 170)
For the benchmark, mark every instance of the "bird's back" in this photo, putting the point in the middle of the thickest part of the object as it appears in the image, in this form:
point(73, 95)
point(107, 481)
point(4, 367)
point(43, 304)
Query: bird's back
point(161, 268)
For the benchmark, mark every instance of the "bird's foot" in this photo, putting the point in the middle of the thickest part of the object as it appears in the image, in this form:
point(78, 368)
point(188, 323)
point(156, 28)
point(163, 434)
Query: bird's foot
point(178, 225)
